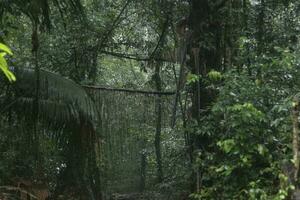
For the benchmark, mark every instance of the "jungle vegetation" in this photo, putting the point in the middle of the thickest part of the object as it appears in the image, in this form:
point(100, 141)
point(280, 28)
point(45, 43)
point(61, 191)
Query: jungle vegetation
point(149, 99)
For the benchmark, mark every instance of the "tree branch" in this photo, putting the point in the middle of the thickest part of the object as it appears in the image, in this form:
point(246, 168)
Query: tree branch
point(133, 56)
point(167, 93)
point(113, 26)
point(161, 38)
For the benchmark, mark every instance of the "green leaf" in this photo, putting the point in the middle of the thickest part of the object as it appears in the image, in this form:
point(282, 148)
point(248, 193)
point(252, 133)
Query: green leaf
point(214, 75)
point(4, 48)
point(192, 78)
point(227, 145)
point(261, 149)
point(3, 66)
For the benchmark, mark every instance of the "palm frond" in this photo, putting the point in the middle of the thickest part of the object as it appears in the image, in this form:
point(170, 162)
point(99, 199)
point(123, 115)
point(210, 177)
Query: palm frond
point(61, 101)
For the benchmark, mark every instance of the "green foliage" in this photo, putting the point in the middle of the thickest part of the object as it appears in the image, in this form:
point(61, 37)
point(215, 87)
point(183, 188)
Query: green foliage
point(253, 120)
point(192, 78)
point(235, 148)
point(38, 11)
point(214, 75)
point(226, 145)
point(4, 50)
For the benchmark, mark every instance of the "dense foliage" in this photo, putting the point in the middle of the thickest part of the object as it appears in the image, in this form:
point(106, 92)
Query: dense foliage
point(168, 99)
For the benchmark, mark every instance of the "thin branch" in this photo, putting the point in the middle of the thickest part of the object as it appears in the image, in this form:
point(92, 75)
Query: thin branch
point(113, 26)
point(12, 188)
point(167, 93)
point(132, 56)
point(6, 107)
point(161, 38)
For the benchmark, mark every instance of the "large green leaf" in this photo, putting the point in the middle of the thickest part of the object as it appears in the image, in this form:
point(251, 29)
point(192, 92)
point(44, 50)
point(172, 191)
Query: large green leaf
point(61, 101)
point(4, 48)
point(3, 64)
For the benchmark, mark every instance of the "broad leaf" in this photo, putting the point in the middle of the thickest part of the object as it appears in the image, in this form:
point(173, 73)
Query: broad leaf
point(4, 48)
point(4, 67)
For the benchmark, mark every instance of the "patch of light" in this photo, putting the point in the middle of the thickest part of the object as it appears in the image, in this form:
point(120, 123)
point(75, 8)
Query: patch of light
point(254, 2)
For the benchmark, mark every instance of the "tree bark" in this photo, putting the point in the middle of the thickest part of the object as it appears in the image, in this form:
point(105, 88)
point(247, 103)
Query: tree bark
point(295, 115)
point(205, 24)
point(158, 109)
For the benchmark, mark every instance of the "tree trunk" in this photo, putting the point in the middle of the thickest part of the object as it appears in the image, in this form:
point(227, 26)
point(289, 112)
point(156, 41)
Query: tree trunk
point(198, 19)
point(158, 110)
point(205, 24)
point(295, 115)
